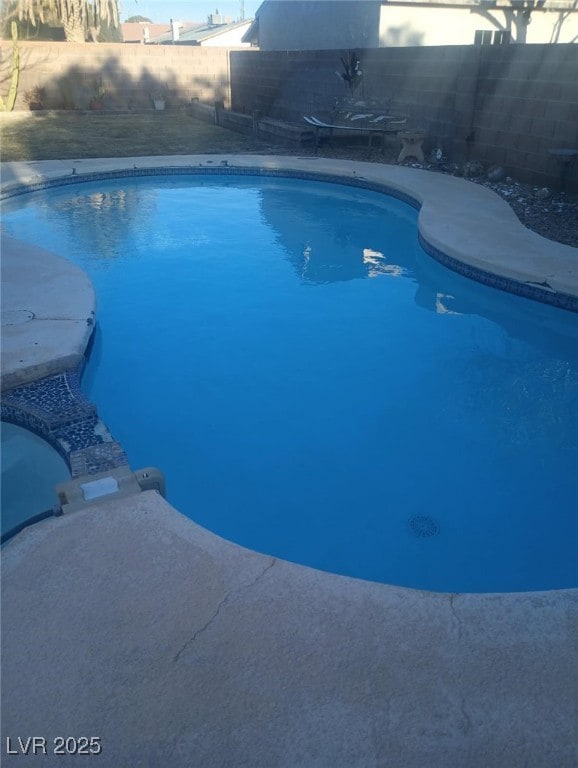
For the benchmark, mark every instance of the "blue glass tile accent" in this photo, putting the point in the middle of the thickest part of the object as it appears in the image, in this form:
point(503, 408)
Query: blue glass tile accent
point(528, 290)
point(80, 434)
point(97, 458)
point(215, 170)
point(56, 409)
point(57, 400)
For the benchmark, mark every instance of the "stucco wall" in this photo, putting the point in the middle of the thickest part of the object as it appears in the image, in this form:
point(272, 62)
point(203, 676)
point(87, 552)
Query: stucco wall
point(402, 25)
point(332, 24)
point(130, 74)
point(506, 104)
point(300, 24)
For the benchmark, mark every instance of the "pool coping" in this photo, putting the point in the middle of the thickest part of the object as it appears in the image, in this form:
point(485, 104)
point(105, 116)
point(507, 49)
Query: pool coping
point(42, 334)
point(170, 642)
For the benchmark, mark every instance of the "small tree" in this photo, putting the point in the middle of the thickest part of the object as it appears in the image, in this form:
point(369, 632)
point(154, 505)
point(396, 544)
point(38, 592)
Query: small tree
point(352, 74)
point(8, 106)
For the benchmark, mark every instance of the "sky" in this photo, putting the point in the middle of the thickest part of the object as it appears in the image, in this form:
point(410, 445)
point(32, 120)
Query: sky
point(162, 11)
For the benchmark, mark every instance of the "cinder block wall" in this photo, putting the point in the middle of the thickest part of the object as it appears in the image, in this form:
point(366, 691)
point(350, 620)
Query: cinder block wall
point(504, 105)
point(130, 74)
point(527, 103)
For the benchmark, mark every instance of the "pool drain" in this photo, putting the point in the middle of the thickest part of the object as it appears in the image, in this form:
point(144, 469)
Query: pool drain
point(423, 526)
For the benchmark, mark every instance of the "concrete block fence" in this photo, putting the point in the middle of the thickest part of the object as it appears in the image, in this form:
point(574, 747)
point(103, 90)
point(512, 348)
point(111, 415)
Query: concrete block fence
point(502, 104)
point(129, 74)
point(506, 105)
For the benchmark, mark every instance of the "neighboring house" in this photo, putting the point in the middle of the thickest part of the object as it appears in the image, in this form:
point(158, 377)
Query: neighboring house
point(461, 22)
point(331, 24)
point(218, 31)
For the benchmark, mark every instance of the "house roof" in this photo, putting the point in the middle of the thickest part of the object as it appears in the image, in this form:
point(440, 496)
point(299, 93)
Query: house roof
point(134, 31)
point(184, 28)
point(202, 32)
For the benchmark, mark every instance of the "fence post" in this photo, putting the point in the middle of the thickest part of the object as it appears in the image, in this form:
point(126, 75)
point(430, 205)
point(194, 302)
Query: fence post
point(256, 117)
point(219, 105)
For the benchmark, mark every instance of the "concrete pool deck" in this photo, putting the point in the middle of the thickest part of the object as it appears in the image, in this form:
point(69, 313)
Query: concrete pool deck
point(128, 622)
point(47, 331)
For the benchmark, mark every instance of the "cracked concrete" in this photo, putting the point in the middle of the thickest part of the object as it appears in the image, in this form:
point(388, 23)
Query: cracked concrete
point(278, 665)
point(222, 603)
point(452, 598)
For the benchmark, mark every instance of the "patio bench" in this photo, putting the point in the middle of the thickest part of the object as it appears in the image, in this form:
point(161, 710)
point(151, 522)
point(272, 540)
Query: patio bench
point(369, 124)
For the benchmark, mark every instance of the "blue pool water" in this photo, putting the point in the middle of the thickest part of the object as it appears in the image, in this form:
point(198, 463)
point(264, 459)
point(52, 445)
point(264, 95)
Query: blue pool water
point(315, 387)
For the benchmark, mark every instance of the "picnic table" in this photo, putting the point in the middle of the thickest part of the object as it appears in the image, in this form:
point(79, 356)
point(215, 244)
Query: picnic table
point(368, 123)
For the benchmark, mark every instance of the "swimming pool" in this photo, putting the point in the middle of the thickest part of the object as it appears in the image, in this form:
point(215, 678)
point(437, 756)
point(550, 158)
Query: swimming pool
point(315, 387)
